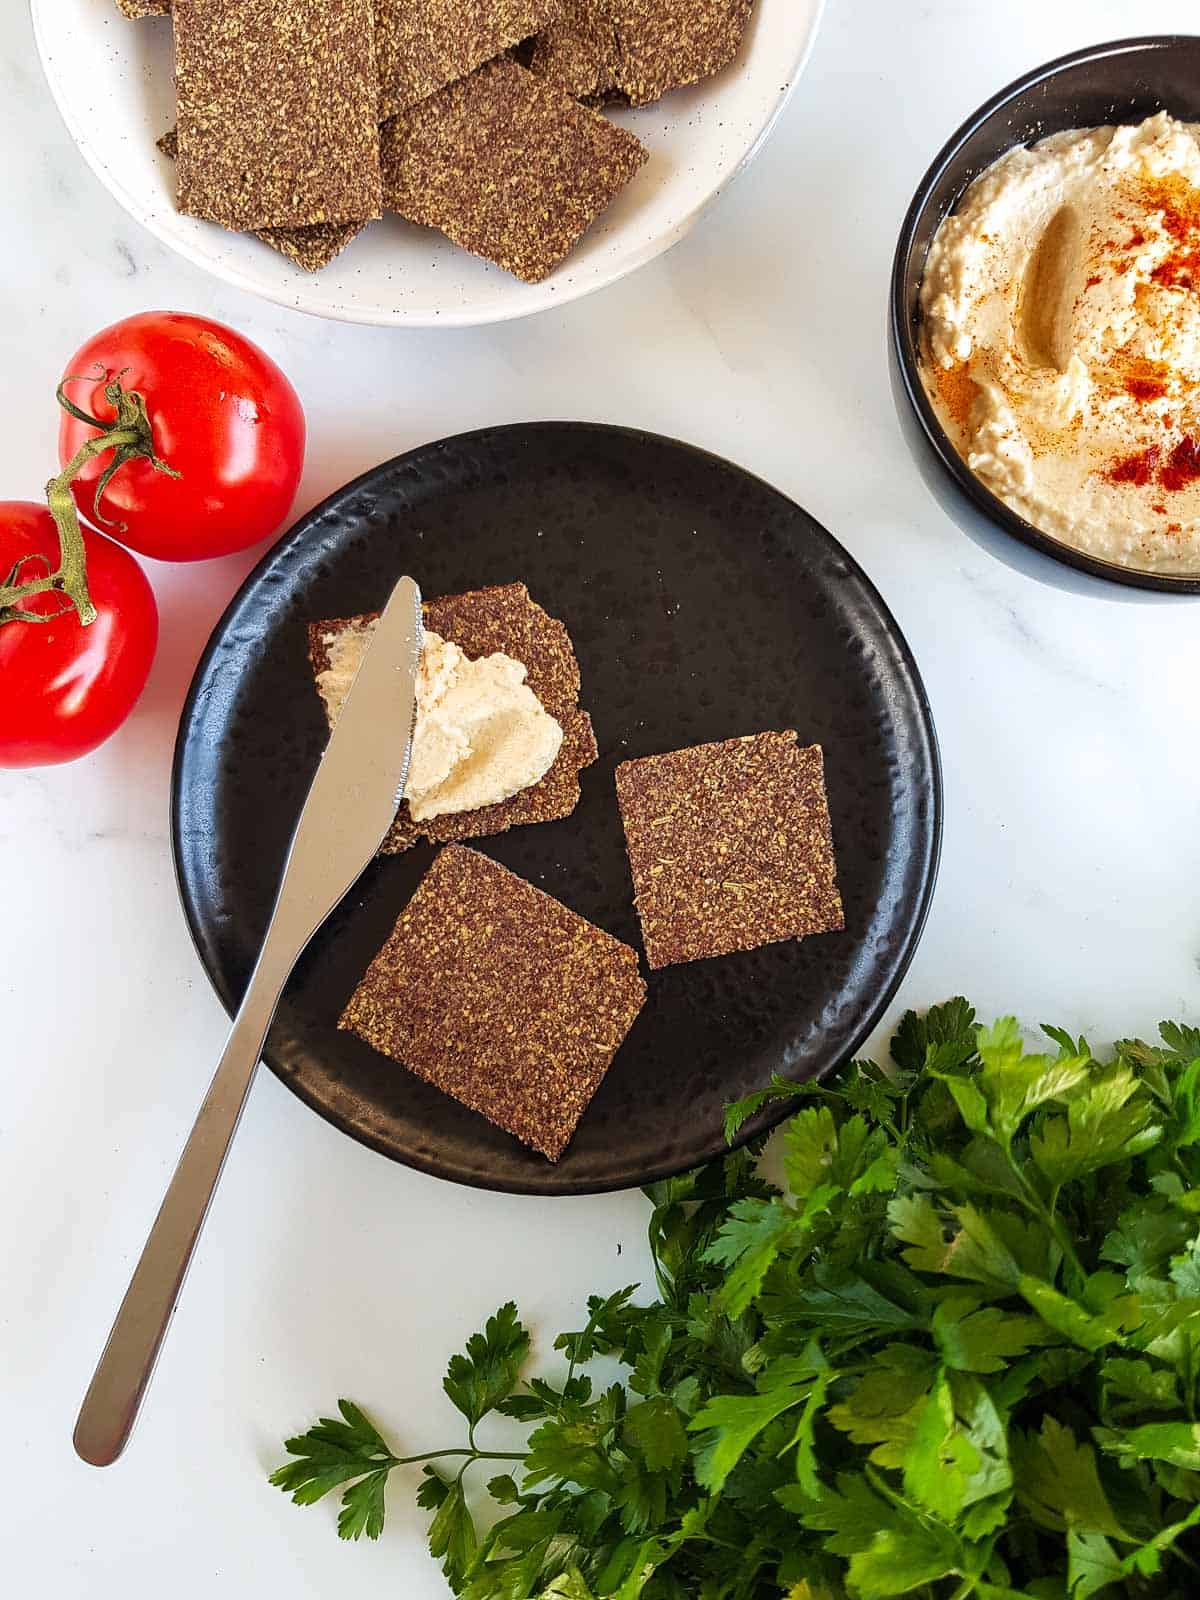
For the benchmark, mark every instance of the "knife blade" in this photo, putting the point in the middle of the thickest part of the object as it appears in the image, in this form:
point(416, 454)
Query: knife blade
point(351, 805)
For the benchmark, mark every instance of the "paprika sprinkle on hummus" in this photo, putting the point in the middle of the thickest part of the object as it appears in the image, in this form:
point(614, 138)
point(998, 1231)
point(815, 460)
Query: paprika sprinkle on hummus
point(957, 390)
point(1061, 338)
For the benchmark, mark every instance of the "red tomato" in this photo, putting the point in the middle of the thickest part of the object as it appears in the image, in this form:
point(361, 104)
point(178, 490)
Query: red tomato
point(223, 415)
point(63, 687)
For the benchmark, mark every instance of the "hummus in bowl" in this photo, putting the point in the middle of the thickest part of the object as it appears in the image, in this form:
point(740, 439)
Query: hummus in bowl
point(1060, 339)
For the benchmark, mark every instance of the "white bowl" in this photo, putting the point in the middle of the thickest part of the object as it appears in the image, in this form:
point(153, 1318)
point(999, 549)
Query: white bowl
point(112, 80)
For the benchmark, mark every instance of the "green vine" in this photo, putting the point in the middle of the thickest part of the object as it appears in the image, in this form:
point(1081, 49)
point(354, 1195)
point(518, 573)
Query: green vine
point(130, 438)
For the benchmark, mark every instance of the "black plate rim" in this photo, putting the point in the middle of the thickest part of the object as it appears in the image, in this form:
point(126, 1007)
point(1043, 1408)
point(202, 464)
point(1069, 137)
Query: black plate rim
point(771, 1115)
point(900, 317)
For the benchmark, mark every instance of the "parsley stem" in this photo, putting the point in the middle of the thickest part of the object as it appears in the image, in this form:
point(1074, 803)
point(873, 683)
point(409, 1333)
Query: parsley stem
point(586, 1335)
point(475, 1455)
point(1034, 1203)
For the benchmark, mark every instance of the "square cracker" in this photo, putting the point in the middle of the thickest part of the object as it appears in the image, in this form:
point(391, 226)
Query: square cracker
point(508, 166)
point(667, 44)
point(422, 45)
point(501, 997)
point(730, 846)
point(277, 103)
point(579, 50)
point(310, 248)
point(481, 622)
point(641, 48)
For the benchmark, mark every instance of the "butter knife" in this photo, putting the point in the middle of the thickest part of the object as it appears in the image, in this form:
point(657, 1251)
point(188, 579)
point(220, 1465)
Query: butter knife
point(350, 807)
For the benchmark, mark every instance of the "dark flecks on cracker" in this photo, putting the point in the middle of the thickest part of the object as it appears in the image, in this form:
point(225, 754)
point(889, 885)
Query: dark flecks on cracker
point(501, 997)
point(310, 248)
point(277, 106)
point(133, 9)
point(668, 44)
point(579, 51)
point(481, 622)
point(508, 166)
point(641, 48)
point(730, 846)
point(422, 45)
point(313, 247)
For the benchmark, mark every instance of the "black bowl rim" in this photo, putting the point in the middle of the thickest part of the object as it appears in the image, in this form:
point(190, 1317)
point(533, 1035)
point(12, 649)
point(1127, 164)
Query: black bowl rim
point(771, 1115)
point(907, 355)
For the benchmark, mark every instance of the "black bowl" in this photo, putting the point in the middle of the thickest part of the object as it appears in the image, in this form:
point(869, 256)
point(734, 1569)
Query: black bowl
point(1122, 82)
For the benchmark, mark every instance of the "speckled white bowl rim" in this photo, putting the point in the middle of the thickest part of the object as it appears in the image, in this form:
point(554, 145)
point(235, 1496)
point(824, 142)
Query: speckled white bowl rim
point(394, 274)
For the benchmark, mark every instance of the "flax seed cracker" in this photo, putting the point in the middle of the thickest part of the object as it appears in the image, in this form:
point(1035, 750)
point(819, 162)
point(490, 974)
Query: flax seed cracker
point(277, 112)
point(310, 248)
point(422, 45)
point(730, 846)
point(508, 166)
point(668, 44)
point(579, 50)
point(501, 997)
point(640, 48)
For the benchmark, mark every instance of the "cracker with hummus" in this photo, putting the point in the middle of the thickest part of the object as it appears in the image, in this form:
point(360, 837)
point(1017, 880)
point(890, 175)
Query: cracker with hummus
point(504, 622)
point(501, 997)
point(730, 846)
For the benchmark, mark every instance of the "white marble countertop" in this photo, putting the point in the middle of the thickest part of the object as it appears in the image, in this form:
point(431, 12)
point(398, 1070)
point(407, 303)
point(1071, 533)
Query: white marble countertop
point(1068, 729)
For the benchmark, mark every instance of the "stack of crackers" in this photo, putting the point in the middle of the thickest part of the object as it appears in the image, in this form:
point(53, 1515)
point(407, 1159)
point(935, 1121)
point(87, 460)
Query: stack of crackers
point(302, 120)
point(507, 1000)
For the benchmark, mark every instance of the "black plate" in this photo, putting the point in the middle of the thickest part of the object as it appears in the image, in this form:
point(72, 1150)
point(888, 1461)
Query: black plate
point(702, 604)
point(1126, 81)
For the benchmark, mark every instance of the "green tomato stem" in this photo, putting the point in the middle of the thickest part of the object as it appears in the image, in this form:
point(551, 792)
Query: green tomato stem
point(130, 438)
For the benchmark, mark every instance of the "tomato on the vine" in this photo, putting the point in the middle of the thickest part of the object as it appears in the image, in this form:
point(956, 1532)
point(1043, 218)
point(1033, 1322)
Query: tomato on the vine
point(65, 687)
point(222, 415)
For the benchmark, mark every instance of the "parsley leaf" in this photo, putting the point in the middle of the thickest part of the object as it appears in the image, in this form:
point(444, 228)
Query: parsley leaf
point(1177, 1443)
point(452, 1535)
point(1092, 1564)
point(1059, 1484)
point(737, 1115)
point(655, 1430)
point(1108, 1122)
point(972, 1338)
point(950, 1024)
point(730, 1424)
point(478, 1381)
point(333, 1453)
point(748, 1244)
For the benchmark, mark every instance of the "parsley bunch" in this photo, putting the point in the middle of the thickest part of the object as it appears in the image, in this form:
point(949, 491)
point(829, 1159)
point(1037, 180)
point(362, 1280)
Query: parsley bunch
point(959, 1356)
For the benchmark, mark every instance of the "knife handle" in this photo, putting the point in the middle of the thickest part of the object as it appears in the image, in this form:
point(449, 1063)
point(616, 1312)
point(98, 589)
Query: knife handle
point(122, 1374)
point(351, 805)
